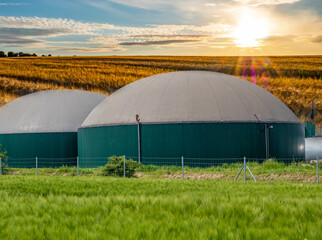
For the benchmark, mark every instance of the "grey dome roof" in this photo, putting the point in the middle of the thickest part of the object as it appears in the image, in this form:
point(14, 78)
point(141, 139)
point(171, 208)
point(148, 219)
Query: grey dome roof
point(190, 96)
point(48, 111)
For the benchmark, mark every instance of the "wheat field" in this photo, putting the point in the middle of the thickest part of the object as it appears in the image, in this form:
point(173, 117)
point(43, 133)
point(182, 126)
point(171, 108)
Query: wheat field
point(295, 80)
point(56, 207)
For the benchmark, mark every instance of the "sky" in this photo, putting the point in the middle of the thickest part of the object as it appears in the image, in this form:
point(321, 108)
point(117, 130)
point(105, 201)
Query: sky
point(161, 27)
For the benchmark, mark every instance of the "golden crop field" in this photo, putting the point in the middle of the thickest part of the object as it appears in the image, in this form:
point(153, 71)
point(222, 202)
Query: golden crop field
point(295, 80)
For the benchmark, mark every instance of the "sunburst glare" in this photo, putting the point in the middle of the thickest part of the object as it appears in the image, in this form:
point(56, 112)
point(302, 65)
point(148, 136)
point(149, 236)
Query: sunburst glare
point(251, 29)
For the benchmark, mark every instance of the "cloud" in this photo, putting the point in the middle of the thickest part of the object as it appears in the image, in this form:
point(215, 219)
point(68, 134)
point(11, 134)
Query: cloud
point(26, 31)
point(150, 43)
point(317, 39)
point(66, 25)
point(89, 49)
point(153, 40)
point(56, 34)
point(170, 36)
point(193, 12)
point(280, 38)
point(15, 37)
point(158, 5)
point(13, 4)
point(16, 41)
point(34, 26)
point(144, 4)
point(265, 2)
point(76, 27)
point(32, 32)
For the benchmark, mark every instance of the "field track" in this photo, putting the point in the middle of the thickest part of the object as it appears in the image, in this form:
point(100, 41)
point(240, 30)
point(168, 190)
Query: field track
point(295, 80)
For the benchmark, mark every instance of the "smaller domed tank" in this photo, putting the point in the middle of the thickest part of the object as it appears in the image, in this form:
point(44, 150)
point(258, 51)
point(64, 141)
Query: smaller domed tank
point(44, 125)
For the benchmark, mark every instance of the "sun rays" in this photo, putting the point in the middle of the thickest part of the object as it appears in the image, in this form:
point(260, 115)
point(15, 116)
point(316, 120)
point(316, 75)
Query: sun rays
point(251, 29)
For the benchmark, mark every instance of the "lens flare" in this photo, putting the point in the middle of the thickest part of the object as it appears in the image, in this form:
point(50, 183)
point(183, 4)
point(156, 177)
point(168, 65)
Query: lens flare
point(255, 68)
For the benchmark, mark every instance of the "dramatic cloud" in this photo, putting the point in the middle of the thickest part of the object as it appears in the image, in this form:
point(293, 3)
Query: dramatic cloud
point(152, 40)
point(317, 39)
point(10, 41)
point(183, 5)
point(149, 43)
point(13, 4)
point(88, 49)
point(280, 38)
point(189, 35)
point(67, 25)
point(265, 2)
point(32, 32)
point(71, 26)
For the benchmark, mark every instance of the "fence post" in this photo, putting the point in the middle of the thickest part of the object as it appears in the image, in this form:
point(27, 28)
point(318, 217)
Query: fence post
point(244, 168)
point(317, 170)
point(0, 166)
point(77, 159)
point(182, 167)
point(36, 166)
point(124, 166)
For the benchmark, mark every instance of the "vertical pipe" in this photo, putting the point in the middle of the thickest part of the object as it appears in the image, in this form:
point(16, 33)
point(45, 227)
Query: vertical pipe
point(244, 168)
point(0, 166)
point(182, 164)
point(268, 128)
point(266, 147)
point(36, 166)
point(77, 159)
point(139, 143)
point(317, 170)
point(124, 166)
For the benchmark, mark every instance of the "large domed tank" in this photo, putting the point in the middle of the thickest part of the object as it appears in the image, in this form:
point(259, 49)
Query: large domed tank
point(195, 114)
point(44, 125)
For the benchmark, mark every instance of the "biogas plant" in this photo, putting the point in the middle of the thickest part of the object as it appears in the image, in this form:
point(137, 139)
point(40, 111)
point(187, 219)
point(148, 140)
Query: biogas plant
point(196, 114)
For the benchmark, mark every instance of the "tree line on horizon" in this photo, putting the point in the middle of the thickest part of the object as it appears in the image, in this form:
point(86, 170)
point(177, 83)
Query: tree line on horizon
point(19, 54)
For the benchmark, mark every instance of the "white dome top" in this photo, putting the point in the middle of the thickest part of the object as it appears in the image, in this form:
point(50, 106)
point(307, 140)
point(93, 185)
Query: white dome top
point(190, 96)
point(48, 111)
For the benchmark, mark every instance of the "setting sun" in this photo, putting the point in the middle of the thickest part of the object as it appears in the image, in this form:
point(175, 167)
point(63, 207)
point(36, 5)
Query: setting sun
point(250, 29)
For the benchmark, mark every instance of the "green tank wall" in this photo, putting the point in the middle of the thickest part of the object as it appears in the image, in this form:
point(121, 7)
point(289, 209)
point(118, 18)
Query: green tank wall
point(191, 140)
point(52, 149)
point(309, 129)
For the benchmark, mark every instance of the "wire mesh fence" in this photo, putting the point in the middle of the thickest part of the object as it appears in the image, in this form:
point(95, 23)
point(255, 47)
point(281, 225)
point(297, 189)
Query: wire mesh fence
point(171, 167)
point(33, 162)
point(318, 130)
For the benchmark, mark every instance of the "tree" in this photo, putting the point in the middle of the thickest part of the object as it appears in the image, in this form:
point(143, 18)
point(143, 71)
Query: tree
point(10, 54)
point(115, 167)
point(4, 159)
point(2, 54)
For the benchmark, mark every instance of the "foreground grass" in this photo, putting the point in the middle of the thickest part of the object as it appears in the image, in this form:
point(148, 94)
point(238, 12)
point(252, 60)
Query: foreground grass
point(53, 207)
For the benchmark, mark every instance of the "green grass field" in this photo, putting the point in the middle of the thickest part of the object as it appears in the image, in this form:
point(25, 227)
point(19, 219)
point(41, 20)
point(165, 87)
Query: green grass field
point(56, 207)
